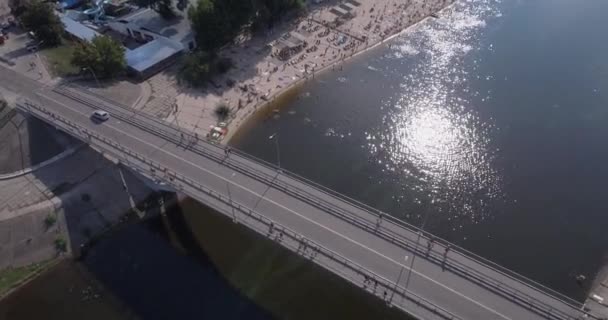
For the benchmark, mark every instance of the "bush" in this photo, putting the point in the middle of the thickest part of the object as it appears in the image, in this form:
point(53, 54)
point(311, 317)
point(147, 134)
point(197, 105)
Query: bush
point(61, 245)
point(222, 111)
point(50, 221)
point(222, 65)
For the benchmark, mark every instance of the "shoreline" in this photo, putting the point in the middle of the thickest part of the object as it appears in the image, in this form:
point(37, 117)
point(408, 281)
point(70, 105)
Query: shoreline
point(32, 275)
point(247, 114)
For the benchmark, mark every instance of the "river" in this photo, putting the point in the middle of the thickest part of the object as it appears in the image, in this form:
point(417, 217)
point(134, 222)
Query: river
point(490, 122)
point(486, 126)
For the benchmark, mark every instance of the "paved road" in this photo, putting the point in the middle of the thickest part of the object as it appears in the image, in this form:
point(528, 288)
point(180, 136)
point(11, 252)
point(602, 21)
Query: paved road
point(385, 257)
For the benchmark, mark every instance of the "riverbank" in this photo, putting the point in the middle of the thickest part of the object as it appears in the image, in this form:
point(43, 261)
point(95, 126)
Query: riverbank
point(67, 290)
point(597, 300)
point(267, 65)
point(12, 279)
point(371, 26)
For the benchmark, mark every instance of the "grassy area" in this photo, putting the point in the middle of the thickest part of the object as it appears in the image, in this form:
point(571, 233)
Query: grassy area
point(11, 277)
point(59, 59)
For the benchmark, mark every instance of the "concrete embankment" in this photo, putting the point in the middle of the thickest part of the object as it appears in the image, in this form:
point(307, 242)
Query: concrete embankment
point(73, 199)
point(597, 301)
point(26, 141)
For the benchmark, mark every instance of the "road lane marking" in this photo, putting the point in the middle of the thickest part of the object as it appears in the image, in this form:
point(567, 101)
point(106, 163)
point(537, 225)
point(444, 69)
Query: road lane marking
point(283, 207)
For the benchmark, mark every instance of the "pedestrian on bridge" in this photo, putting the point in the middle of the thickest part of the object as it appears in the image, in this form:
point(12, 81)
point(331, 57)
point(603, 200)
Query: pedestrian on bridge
point(430, 243)
point(379, 220)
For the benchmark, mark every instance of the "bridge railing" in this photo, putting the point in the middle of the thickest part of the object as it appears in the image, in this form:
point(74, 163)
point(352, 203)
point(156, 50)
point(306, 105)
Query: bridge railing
point(215, 152)
point(211, 151)
point(144, 165)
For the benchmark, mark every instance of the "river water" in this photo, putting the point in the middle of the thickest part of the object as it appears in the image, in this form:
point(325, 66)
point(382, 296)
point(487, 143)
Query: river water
point(486, 126)
point(489, 123)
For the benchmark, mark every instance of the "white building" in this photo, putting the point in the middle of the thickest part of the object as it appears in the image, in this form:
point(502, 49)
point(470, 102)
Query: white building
point(159, 41)
point(147, 25)
point(163, 39)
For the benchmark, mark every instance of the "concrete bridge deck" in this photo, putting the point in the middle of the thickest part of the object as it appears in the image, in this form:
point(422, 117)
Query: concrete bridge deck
point(386, 257)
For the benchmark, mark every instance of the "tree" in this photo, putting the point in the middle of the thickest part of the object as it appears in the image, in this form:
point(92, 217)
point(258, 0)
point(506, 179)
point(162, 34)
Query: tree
point(269, 11)
point(206, 22)
point(222, 112)
point(198, 68)
point(40, 18)
point(103, 55)
point(163, 7)
point(18, 6)
point(195, 69)
point(216, 22)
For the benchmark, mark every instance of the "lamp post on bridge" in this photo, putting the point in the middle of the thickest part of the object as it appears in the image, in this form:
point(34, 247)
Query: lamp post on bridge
point(411, 266)
point(228, 182)
point(398, 279)
point(94, 76)
point(275, 137)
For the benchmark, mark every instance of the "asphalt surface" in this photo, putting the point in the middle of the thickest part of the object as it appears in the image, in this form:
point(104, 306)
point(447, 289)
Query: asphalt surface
point(461, 286)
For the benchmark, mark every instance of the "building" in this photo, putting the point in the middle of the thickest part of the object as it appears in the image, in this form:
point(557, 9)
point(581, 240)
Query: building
point(155, 42)
point(162, 40)
point(77, 30)
point(147, 25)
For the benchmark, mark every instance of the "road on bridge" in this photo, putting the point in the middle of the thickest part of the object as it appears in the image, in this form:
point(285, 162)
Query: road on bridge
point(460, 284)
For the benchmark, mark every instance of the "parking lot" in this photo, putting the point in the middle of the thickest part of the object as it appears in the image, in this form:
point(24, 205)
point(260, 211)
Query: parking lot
point(19, 51)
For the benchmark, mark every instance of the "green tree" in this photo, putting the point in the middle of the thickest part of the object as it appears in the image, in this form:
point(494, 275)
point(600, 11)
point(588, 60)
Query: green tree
point(163, 7)
point(104, 55)
point(17, 6)
point(216, 22)
point(222, 111)
point(196, 69)
point(206, 22)
point(40, 18)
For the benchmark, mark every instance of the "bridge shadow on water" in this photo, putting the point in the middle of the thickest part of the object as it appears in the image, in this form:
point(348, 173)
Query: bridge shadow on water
point(139, 266)
point(197, 264)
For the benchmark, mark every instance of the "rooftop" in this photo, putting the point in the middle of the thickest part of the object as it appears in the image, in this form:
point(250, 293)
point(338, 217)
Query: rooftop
point(78, 30)
point(151, 53)
point(177, 28)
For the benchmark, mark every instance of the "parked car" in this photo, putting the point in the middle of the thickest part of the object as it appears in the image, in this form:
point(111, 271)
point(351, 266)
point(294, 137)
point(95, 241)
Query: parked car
point(32, 47)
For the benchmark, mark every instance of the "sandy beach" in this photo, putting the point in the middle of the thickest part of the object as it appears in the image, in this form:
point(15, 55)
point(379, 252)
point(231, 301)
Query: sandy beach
point(267, 65)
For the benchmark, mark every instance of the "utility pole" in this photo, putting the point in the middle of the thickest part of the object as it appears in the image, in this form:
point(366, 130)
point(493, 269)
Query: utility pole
point(94, 76)
point(275, 137)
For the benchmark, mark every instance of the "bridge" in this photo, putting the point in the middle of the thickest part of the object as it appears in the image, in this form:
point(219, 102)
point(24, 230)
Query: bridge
point(407, 268)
